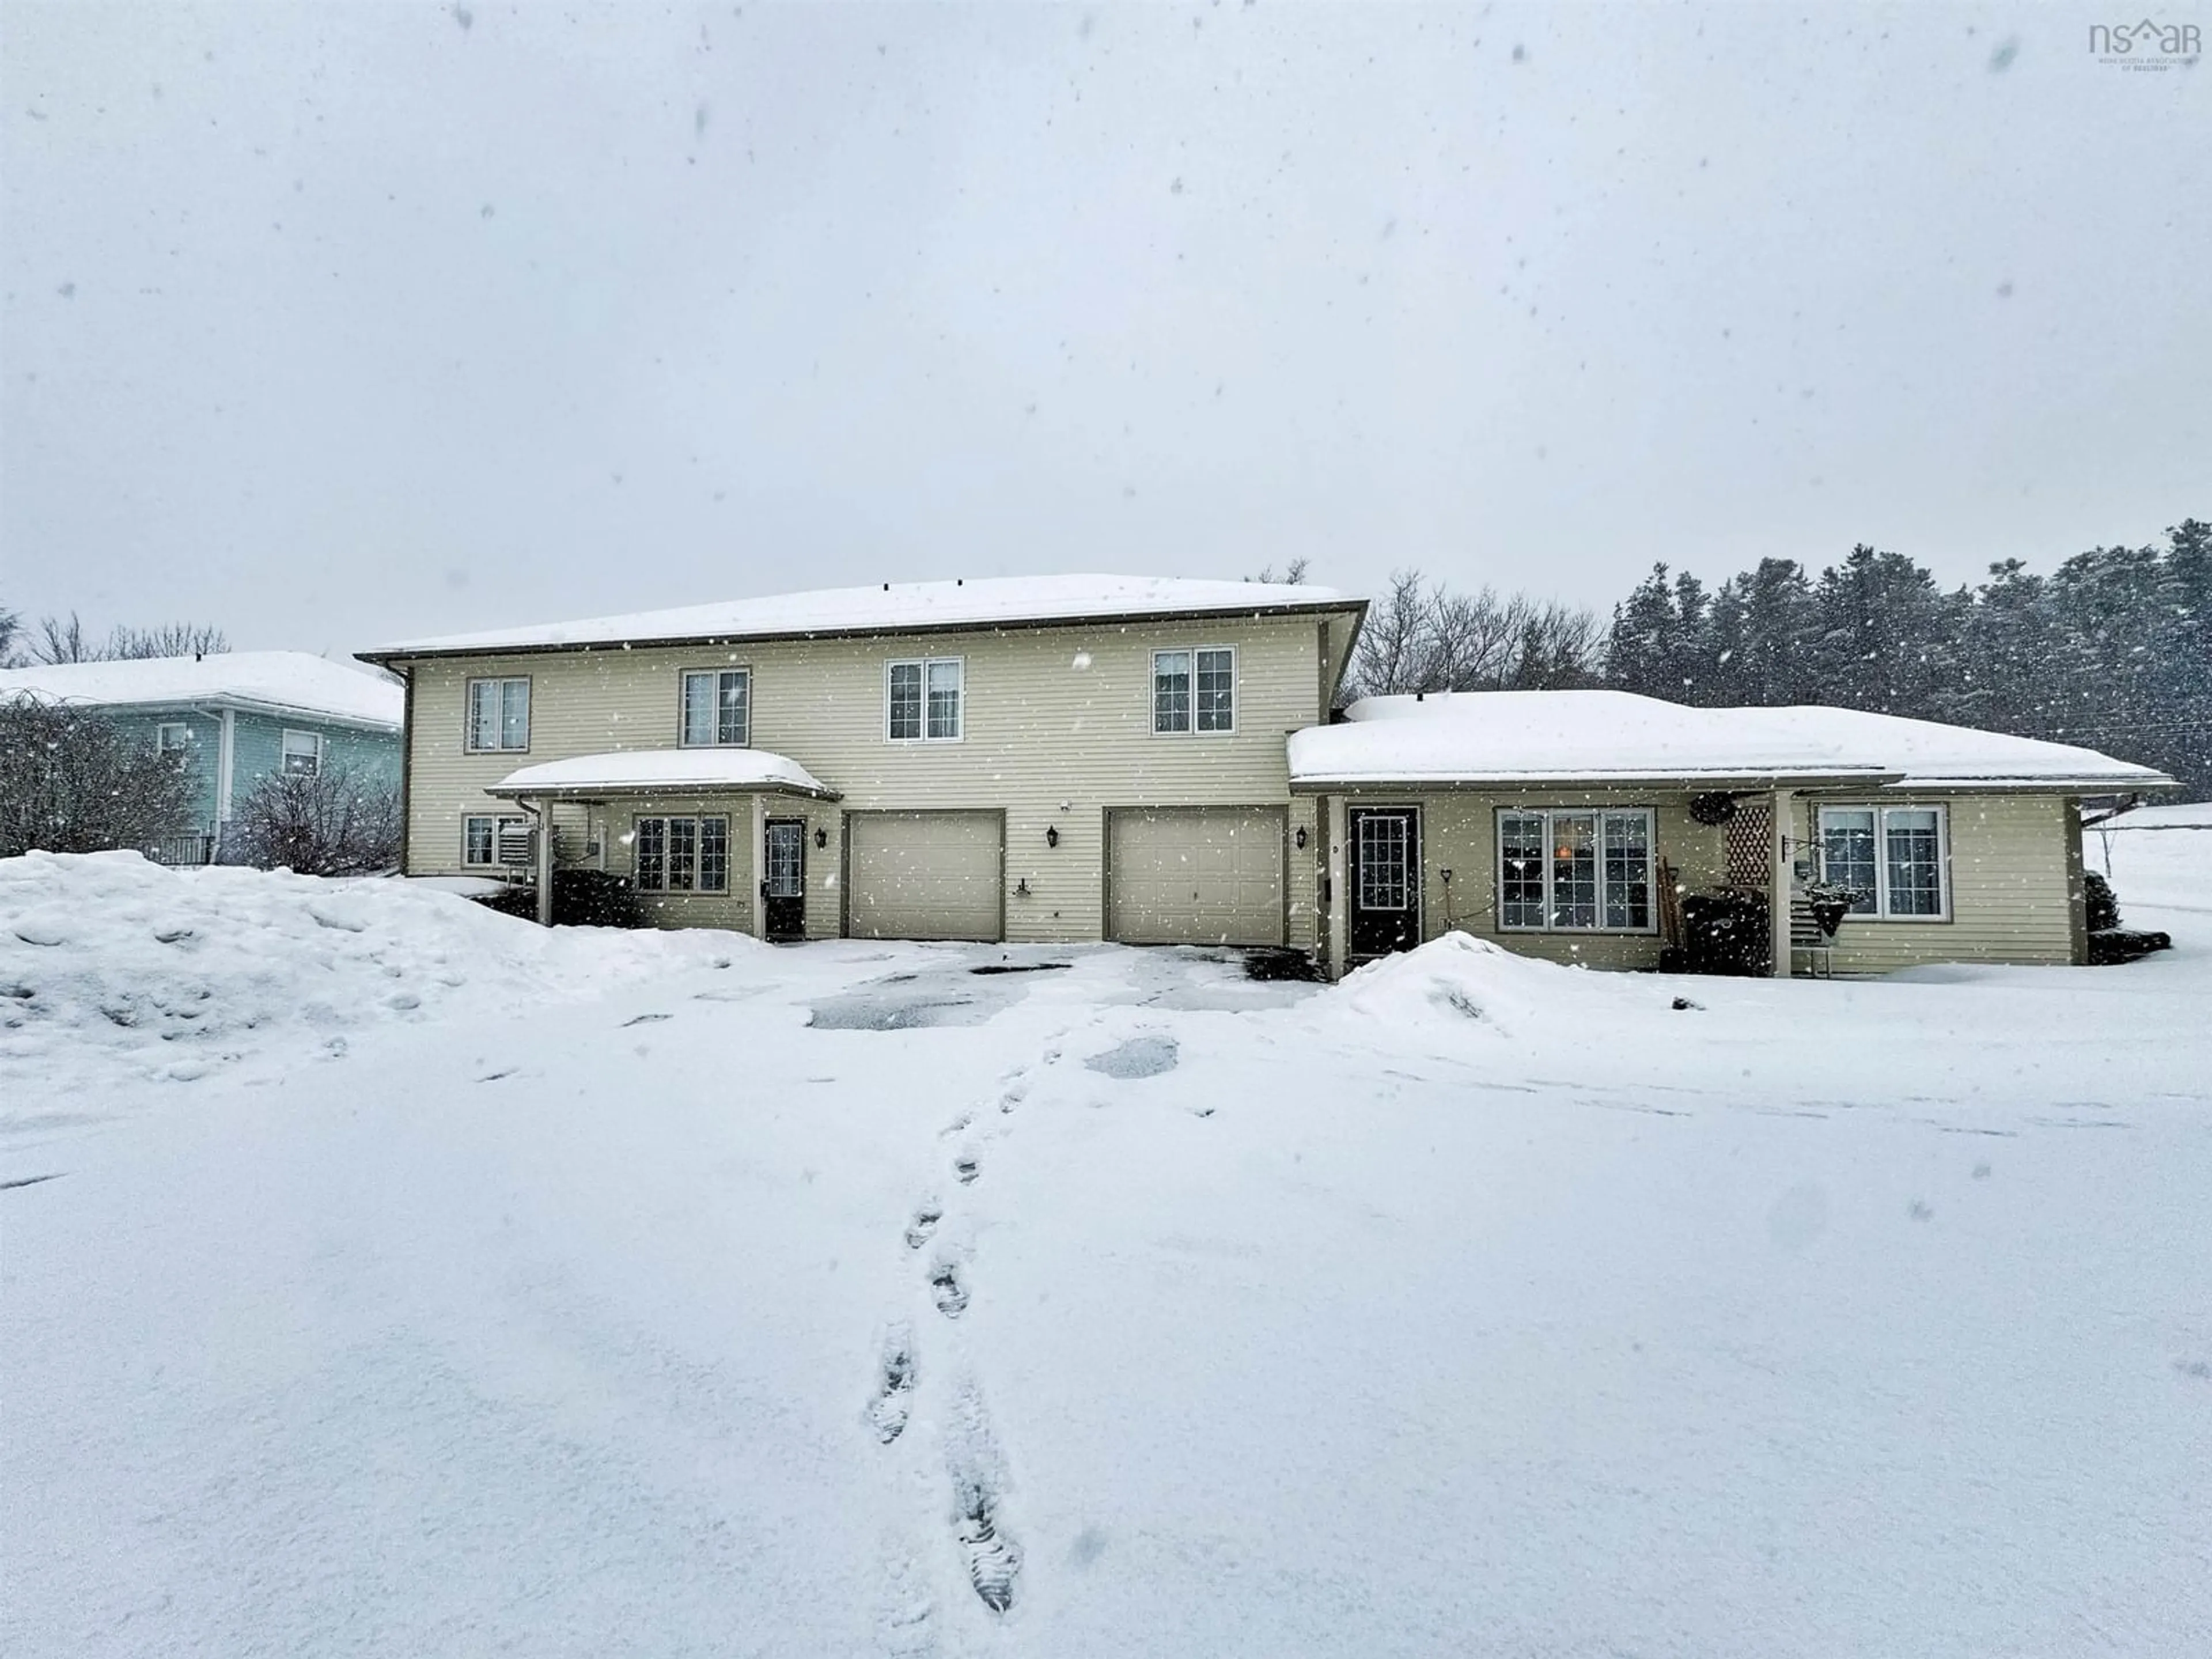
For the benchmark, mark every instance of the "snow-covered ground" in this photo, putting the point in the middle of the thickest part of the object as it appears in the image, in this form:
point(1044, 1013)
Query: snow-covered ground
point(601, 1304)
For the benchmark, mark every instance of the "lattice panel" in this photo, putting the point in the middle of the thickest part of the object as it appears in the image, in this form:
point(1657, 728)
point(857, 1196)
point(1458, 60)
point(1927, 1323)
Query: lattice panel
point(1751, 845)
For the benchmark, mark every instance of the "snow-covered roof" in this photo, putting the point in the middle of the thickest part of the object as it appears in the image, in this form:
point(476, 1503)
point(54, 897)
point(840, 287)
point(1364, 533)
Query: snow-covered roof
point(1547, 737)
point(898, 607)
point(277, 682)
point(635, 771)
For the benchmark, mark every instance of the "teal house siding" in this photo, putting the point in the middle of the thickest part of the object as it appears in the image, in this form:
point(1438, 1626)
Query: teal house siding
point(202, 751)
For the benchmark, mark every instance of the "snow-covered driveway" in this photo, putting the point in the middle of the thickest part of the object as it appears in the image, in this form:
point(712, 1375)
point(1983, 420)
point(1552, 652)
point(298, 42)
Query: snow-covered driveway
point(1128, 1306)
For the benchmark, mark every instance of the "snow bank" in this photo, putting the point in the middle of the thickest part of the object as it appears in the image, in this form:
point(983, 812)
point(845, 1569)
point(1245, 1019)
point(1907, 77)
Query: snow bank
point(1473, 982)
point(112, 967)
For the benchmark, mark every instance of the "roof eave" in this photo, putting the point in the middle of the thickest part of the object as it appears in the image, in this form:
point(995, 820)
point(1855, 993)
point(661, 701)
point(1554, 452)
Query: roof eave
point(594, 791)
point(428, 652)
point(1738, 780)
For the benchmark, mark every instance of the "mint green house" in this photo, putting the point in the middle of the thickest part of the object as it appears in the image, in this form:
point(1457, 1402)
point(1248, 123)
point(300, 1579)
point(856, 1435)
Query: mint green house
point(239, 717)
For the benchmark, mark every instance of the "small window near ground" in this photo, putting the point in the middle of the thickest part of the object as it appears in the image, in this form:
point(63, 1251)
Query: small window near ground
point(172, 737)
point(1895, 859)
point(303, 753)
point(499, 715)
point(1195, 690)
point(480, 836)
point(682, 854)
point(1575, 871)
point(923, 699)
point(718, 709)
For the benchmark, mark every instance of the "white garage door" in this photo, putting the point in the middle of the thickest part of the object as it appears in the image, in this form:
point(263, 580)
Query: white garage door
point(924, 875)
point(1202, 876)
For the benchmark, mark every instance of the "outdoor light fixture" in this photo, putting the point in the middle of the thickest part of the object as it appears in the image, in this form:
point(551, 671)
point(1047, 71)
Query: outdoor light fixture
point(1052, 835)
point(821, 837)
point(1301, 838)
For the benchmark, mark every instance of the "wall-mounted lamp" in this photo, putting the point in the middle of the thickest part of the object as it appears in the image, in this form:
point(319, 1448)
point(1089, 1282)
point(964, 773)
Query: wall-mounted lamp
point(1022, 888)
point(1052, 835)
point(821, 837)
point(1301, 838)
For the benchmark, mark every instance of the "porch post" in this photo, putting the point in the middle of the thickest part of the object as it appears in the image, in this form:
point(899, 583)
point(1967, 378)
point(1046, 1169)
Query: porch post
point(760, 865)
point(544, 811)
point(1339, 937)
point(1777, 903)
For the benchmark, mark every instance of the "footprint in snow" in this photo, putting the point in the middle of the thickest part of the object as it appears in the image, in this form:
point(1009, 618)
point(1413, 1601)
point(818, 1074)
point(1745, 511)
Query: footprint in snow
point(894, 1402)
point(925, 1221)
point(642, 1019)
point(967, 1169)
point(951, 1292)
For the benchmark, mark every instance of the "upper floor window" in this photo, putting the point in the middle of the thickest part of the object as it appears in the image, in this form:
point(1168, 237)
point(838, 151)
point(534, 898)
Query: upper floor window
point(303, 752)
point(923, 701)
point(1896, 857)
point(718, 708)
point(1195, 690)
point(1575, 871)
point(498, 714)
point(171, 737)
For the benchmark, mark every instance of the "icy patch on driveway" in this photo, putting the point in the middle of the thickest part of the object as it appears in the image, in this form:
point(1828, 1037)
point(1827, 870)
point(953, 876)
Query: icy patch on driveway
point(1138, 1057)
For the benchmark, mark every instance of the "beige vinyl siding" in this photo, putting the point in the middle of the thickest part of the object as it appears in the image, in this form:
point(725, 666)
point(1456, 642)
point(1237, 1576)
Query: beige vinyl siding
point(1460, 834)
point(1056, 729)
point(618, 822)
point(2013, 887)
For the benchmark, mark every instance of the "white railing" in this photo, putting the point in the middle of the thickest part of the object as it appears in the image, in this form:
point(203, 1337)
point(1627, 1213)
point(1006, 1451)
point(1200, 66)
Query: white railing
point(182, 849)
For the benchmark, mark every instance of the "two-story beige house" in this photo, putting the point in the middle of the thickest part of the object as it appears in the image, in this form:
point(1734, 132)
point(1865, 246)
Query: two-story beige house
point(1035, 759)
point(1059, 759)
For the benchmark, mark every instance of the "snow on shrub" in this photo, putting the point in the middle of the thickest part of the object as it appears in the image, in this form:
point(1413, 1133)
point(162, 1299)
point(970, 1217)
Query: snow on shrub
point(113, 966)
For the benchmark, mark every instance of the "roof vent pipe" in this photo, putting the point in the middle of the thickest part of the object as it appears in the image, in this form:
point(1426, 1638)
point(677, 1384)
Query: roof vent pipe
point(887, 587)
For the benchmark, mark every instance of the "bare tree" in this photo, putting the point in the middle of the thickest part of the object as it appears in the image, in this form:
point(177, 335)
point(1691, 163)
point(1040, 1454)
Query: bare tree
point(59, 641)
point(72, 783)
point(176, 639)
point(1424, 638)
point(11, 626)
point(328, 823)
point(1294, 573)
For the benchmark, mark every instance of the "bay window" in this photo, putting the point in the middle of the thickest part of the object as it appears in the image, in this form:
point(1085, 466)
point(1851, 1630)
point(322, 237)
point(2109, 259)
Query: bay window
point(682, 854)
point(1575, 869)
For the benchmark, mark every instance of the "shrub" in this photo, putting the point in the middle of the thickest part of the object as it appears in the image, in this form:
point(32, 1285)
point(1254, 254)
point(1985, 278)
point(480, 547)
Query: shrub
point(328, 823)
point(72, 781)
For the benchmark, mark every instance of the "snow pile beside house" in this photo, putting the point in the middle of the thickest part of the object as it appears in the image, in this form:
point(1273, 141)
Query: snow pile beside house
point(1460, 978)
point(112, 967)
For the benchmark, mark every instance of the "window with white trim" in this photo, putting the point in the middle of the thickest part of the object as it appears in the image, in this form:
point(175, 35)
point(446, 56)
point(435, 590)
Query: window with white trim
point(499, 715)
point(682, 855)
point(1575, 870)
point(480, 835)
point(718, 708)
point(1195, 690)
point(1897, 857)
point(172, 737)
point(922, 698)
point(303, 753)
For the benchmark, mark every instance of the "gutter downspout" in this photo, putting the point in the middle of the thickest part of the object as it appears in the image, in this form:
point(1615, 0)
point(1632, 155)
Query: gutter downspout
point(226, 757)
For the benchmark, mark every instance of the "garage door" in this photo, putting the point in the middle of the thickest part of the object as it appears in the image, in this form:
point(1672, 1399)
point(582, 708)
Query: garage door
point(924, 875)
point(1204, 876)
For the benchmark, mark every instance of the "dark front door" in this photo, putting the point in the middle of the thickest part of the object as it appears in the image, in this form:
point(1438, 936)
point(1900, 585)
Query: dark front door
point(783, 882)
point(1386, 879)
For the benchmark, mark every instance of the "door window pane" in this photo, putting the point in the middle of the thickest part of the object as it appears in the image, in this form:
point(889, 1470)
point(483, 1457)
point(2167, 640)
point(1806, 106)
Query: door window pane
point(906, 700)
point(1847, 852)
point(945, 700)
point(1915, 866)
point(1216, 678)
point(1627, 870)
point(1171, 691)
point(1574, 870)
point(1521, 854)
point(785, 864)
point(1384, 880)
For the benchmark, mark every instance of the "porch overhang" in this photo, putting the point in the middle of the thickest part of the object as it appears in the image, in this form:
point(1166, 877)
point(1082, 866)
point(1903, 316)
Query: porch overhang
point(636, 772)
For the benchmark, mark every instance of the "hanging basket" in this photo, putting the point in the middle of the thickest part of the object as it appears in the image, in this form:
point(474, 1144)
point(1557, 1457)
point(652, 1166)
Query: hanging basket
point(1828, 914)
point(1713, 809)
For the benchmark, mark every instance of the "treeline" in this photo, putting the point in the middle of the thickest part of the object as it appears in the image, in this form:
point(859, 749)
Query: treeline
point(52, 640)
point(2112, 650)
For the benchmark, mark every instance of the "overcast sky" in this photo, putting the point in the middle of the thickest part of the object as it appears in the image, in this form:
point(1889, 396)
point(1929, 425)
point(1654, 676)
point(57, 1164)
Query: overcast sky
point(337, 324)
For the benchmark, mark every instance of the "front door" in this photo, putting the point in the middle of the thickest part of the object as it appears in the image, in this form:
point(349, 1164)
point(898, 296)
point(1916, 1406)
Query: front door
point(1386, 876)
point(784, 882)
